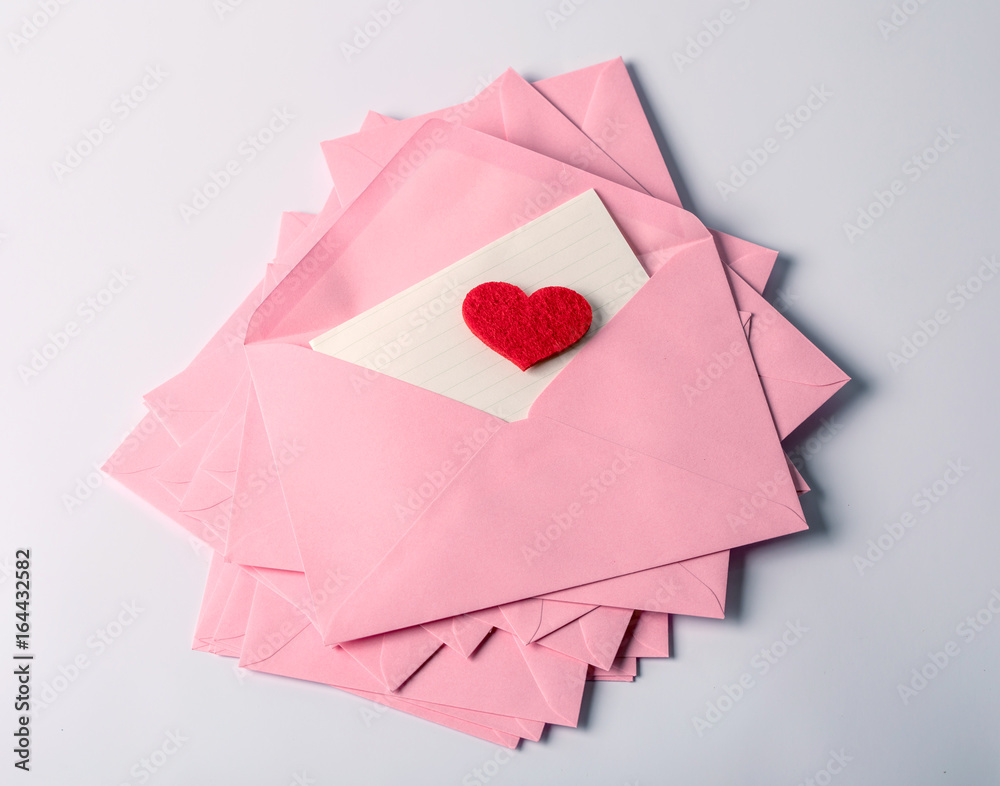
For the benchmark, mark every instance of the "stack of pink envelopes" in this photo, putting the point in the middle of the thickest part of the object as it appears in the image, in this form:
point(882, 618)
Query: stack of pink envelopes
point(534, 554)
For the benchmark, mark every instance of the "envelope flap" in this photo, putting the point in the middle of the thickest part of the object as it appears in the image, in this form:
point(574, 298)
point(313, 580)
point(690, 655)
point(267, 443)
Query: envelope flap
point(602, 102)
point(203, 492)
point(595, 638)
point(355, 160)
point(273, 625)
point(394, 221)
point(560, 679)
point(524, 616)
point(528, 124)
point(752, 262)
point(371, 450)
point(649, 636)
point(486, 546)
point(667, 588)
point(145, 448)
point(260, 530)
point(463, 633)
point(392, 658)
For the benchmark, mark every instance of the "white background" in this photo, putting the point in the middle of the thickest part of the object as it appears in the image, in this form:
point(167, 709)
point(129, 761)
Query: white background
point(896, 429)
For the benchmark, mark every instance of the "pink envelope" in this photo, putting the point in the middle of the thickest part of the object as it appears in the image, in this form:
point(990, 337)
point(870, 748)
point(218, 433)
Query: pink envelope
point(621, 78)
point(533, 618)
point(663, 236)
point(797, 381)
point(232, 623)
point(463, 634)
point(648, 636)
point(390, 658)
point(271, 631)
point(596, 638)
point(623, 670)
point(602, 104)
point(503, 677)
point(270, 281)
point(217, 587)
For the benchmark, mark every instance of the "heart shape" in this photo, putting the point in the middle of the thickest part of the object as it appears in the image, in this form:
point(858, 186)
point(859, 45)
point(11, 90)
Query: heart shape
point(526, 329)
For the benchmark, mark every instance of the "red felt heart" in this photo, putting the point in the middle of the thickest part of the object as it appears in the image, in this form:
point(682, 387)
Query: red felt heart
point(526, 329)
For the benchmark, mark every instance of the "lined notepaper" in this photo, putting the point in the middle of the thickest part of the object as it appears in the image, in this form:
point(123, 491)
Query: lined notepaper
point(419, 336)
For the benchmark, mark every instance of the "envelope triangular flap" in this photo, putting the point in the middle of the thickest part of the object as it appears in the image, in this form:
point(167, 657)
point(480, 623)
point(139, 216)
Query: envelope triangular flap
point(373, 451)
point(613, 472)
point(425, 211)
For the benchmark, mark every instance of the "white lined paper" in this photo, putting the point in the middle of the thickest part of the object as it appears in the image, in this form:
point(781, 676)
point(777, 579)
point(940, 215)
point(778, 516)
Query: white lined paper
point(419, 336)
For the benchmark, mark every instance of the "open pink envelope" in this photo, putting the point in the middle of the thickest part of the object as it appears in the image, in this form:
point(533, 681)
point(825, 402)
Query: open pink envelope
point(609, 83)
point(599, 98)
point(302, 393)
point(261, 535)
point(517, 95)
point(541, 632)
